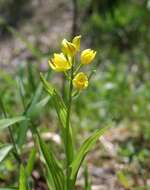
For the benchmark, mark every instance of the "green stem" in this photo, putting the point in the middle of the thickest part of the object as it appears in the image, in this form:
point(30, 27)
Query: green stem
point(68, 129)
point(16, 153)
point(79, 66)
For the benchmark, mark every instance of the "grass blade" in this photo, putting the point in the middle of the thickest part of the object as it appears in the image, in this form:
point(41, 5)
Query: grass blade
point(22, 179)
point(84, 149)
point(53, 166)
point(4, 123)
point(25, 124)
point(4, 150)
point(61, 112)
point(31, 162)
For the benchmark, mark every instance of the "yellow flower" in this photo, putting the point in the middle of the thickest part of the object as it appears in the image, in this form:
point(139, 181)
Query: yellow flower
point(59, 62)
point(76, 41)
point(68, 48)
point(87, 56)
point(80, 81)
point(71, 48)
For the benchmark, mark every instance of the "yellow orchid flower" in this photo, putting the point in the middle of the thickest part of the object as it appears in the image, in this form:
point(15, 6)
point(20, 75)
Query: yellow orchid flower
point(76, 41)
point(68, 48)
point(87, 56)
point(80, 81)
point(71, 48)
point(59, 63)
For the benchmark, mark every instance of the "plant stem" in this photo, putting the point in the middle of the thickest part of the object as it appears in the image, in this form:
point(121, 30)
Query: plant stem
point(68, 129)
point(79, 66)
point(16, 153)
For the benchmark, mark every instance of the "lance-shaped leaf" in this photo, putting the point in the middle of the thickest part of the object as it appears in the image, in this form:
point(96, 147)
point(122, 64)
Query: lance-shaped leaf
point(32, 110)
point(84, 149)
point(62, 114)
point(22, 179)
point(58, 102)
point(4, 123)
point(87, 181)
point(31, 161)
point(4, 150)
point(28, 112)
point(53, 166)
point(38, 108)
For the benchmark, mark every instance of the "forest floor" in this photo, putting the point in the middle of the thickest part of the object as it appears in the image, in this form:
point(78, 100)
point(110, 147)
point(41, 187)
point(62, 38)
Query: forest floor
point(49, 23)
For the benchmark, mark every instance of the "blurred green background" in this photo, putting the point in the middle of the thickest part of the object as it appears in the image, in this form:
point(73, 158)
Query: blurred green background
point(119, 92)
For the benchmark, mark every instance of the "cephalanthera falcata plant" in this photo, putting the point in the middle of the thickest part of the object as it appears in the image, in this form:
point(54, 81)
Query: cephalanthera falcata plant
point(64, 177)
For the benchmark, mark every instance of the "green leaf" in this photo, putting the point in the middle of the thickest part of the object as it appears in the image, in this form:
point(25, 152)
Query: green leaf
point(34, 100)
point(25, 124)
point(22, 130)
point(21, 89)
point(31, 162)
point(49, 180)
point(33, 109)
point(87, 183)
point(37, 108)
point(4, 150)
point(22, 179)
point(58, 102)
point(62, 115)
point(4, 123)
point(53, 166)
point(84, 149)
